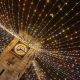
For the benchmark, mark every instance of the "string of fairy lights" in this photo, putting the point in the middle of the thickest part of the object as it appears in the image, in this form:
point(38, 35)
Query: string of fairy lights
point(28, 15)
point(58, 66)
point(63, 18)
point(38, 19)
point(51, 19)
point(33, 14)
point(45, 26)
point(59, 38)
point(77, 13)
point(5, 20)
point(68, 36)
point(45, 5)
point(45, 15)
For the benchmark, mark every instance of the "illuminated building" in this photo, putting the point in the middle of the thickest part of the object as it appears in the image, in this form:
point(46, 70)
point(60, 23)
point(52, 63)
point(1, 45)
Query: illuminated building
point(39, 40)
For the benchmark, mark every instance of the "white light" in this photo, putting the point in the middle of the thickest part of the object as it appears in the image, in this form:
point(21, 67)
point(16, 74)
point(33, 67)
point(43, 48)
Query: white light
point(48, 1)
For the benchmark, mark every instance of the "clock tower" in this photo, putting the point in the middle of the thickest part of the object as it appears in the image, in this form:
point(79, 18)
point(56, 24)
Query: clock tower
point(14, 60)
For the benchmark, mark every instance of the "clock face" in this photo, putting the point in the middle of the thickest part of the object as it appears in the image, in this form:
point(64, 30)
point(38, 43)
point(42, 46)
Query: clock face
point(20, 49)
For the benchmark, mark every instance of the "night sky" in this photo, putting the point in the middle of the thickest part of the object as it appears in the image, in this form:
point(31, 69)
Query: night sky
point(56, 25)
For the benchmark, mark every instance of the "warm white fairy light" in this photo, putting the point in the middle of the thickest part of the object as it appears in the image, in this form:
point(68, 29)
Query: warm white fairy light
point(38, 18)
point(5, 17)
point(60, 41)
point(12, 13)
point(23, 11)
point(35, 10)
point(51, 19)
point(29, 14)
point(64, 17)
point(45, 16)
point(65, 23)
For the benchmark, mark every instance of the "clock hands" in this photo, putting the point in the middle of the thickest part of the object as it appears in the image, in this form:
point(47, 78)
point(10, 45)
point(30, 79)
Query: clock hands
point(21, 50)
